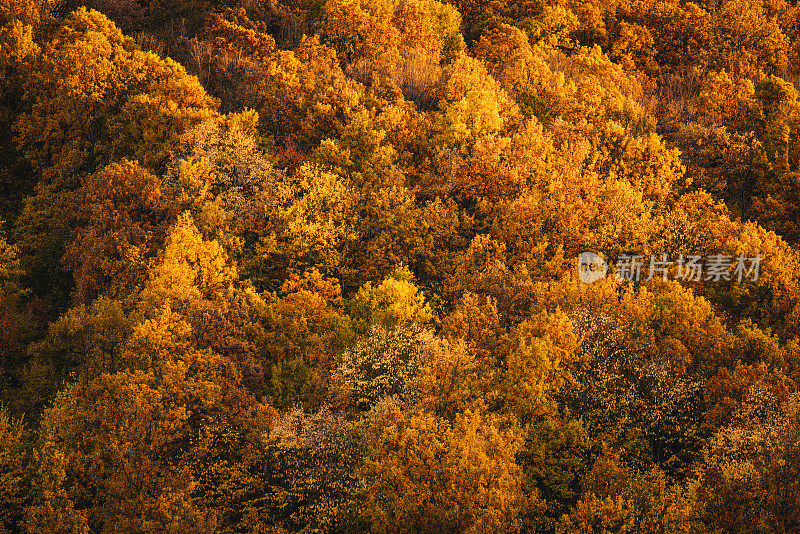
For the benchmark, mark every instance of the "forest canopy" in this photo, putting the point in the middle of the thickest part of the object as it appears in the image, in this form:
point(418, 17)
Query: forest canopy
point(279, 266)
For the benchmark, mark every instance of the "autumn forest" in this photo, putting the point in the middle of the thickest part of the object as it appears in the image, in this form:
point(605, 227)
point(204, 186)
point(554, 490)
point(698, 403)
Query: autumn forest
point(312, 266)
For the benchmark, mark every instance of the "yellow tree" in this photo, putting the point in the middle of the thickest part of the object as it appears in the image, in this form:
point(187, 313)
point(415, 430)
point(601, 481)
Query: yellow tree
point(94, 97)
point(152, 429)
point(307, 225)
point(429, 475)
point(395, 302)
point(189, 268)
point(121, 215)
point(521, 69)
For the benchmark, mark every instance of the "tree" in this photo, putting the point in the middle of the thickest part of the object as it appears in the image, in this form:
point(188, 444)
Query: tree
point(542, 350)
point(381, 364)
point(189, 268)
point(394, 303)
point(476, 321)
point(426, 475)
point(18, 55)
point(307, 226)
point(304, 328)
point(747, 479)
point(313, 462)
point(13, 463)
point(142, 429)
point(85, 342)
point(92, 98)
point(121, 215)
